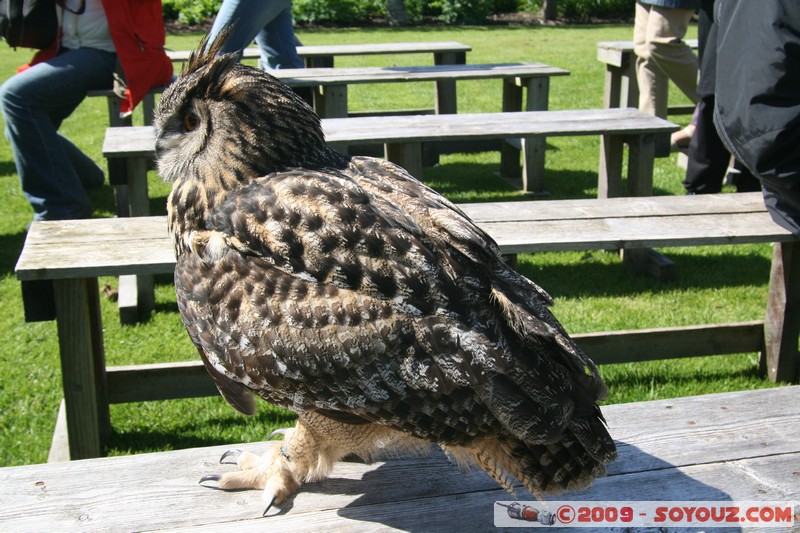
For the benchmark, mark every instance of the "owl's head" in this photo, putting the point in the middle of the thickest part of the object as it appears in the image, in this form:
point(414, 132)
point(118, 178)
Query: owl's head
point(223, 123)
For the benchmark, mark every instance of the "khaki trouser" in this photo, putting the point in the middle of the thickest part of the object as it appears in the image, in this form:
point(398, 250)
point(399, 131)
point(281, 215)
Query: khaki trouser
point(660, 51)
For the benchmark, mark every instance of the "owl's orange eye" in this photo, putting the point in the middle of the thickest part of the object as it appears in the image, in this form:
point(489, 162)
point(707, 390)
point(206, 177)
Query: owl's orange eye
point(190, 120)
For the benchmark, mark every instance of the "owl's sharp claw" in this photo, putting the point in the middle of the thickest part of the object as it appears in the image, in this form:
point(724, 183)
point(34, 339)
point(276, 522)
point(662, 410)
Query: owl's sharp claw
point(210, 477)
point(280, 431)
point(235, 453)
point(269, 504)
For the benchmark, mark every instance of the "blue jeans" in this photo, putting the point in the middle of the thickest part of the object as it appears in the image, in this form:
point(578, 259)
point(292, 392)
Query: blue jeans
point(269, 22)
point(52, 171)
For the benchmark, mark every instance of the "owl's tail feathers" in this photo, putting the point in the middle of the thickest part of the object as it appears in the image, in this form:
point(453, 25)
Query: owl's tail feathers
point(570, 463)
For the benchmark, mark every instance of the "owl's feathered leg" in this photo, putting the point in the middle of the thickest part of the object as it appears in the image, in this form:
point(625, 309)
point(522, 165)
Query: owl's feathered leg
point(307, 453)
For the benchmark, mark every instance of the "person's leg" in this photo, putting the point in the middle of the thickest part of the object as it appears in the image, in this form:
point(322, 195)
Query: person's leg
point(708, 158)
point(646, 72)
point(744, 180)
point(90, 174)
point(247, 18)
point(34, 103)
point(277, 41)
point(658, 34)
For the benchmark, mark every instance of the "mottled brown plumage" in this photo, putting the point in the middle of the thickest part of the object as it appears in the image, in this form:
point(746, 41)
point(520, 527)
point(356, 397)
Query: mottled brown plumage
point(349, 292)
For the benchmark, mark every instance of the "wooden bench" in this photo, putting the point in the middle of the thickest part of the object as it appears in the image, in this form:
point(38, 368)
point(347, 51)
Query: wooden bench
point(726, 447)
point(621, 89)
point(444, 53)
point(74, 253)
point(315, 56)
point(330, 85)
point(130, 149)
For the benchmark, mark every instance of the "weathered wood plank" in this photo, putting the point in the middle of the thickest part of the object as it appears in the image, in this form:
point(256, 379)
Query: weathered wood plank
point(783, 316)
point(647, 344)
point(140, 141)
point(113, 247)
point(159, 381)
point(139, 383)
point(77, 309)
point(355, 75)
point(313, 77)
point(611, 52)
point(728, 447)
point(586, 209)
point(316, 51)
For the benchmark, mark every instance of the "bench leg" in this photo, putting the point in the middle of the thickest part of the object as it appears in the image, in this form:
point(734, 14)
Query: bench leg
point(445, 98)
point(407, 155)
point(641, 158)
point(509, 153)
point(533, 149)
point(80, 339)
point(612, 87)
point(149, 108)
point(114, 120)
point(782, 322)
point(445, 90)
point(318, 62)
point(331, 101)
point(630, 85)
point(136, 293)
point(609, 174)
point(449, 58)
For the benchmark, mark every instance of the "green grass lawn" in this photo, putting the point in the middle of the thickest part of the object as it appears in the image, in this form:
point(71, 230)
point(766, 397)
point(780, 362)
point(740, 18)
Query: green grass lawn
point(592, 291)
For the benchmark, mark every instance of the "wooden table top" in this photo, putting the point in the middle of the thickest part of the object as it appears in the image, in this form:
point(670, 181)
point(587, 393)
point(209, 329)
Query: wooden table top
point(141, 245)
point(739, 446)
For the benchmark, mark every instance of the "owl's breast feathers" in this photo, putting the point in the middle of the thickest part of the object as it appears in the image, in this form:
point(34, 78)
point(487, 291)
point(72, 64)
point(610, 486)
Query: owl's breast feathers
point(362, 292)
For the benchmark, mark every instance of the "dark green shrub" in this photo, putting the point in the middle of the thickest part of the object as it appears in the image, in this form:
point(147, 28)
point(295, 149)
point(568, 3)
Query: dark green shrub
point(463, 11)
point(336, 11)
point(190, 11)
point(585, 9)
point(354, 12)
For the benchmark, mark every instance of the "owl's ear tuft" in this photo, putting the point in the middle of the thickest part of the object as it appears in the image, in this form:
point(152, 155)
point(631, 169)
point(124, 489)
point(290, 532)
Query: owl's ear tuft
point(206, 51)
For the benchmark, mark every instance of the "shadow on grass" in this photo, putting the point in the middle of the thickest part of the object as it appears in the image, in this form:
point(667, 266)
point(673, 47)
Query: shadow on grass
point(158, 205)
point(481, 182)
point(200, 433)
point(10, 248)
point(472, 181)
point(145, 441)
point(7, 168)
point(569, 279)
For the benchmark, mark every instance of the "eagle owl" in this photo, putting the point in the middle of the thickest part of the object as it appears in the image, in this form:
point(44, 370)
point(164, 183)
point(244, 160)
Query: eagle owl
point(345, 290)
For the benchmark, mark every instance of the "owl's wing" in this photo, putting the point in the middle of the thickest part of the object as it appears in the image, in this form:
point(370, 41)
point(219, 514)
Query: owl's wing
point(363, 292)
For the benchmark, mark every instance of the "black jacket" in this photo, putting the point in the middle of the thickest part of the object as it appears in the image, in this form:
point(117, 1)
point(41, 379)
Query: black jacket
point(758, 86)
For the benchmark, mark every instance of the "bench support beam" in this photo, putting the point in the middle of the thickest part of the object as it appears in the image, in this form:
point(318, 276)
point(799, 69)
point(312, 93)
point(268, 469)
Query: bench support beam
point(536, 99)
point(782, 323)
point(83, 367)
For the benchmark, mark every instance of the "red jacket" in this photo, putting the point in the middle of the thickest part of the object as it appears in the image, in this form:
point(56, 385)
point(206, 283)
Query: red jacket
point(137, 29)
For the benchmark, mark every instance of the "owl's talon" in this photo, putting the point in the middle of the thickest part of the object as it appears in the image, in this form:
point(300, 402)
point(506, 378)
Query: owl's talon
point(270, 501)
point(279, 431)
point(235, 453)
point(209, 477)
